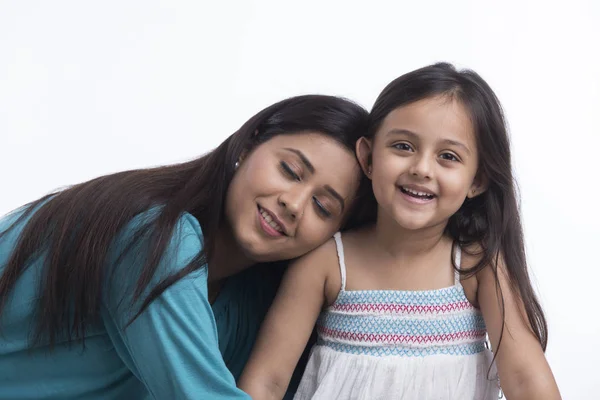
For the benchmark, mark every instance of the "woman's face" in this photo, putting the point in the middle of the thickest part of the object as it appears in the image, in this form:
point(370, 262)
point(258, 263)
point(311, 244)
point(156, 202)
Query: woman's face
point(290, 194)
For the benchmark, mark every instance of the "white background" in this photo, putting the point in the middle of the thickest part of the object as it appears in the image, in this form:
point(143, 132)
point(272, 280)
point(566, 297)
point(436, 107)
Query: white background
point(88, 88)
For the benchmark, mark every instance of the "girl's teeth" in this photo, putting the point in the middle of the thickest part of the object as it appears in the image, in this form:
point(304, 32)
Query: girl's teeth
point(420, 194)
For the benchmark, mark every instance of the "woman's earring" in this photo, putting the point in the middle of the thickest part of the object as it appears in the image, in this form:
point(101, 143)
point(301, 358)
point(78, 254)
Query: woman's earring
point(236, 165)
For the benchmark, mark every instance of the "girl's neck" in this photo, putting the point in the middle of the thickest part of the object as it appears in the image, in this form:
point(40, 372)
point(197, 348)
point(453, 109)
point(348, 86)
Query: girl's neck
point(398, 241)
point(228, 258)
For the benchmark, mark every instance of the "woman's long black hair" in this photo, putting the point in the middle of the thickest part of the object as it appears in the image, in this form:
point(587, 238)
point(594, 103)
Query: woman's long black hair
point(74, 228)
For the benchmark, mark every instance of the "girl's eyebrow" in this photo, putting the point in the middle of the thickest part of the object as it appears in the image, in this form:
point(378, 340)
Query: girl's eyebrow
point(458, 144)
point(413, 135)
point(406, 132)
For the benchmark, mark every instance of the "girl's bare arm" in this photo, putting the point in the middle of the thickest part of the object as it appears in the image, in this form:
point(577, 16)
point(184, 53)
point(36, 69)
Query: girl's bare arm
point(522, 367)
point(288, 325)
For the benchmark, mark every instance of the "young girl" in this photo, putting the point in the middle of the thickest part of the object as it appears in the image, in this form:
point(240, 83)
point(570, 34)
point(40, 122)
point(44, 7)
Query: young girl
point(405, 304)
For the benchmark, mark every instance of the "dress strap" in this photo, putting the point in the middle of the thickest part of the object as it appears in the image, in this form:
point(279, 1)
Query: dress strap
point(340, 252)
point(457, 257)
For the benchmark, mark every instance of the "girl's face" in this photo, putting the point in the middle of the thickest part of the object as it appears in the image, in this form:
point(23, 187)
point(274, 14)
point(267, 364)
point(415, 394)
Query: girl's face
point(424, 162)
point(290, 194)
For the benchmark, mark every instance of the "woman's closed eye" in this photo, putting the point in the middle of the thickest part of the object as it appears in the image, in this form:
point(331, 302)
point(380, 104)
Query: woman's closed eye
point(289, 171)
point(321, 203)
point(321, 207)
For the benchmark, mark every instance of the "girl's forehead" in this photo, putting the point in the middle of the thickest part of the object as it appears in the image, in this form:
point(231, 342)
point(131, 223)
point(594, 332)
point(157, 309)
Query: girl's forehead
point(437, 117)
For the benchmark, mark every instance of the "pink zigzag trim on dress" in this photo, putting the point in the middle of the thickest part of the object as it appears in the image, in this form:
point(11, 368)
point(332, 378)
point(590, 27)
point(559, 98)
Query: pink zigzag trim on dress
point(445, 338)
point(402, 308)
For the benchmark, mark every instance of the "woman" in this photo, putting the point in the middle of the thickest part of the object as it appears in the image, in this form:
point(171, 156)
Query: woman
point(106, 287)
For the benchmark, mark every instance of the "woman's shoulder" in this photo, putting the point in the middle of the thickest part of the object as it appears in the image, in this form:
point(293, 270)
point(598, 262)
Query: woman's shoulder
point(136, 246)
point(136, 242)
point(20, 216)
point(186, 226)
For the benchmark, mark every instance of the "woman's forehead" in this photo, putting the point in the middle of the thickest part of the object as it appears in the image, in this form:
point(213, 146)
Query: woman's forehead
point(327, 159)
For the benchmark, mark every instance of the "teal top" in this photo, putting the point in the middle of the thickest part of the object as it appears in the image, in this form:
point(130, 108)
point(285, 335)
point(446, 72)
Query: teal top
point(178, 348)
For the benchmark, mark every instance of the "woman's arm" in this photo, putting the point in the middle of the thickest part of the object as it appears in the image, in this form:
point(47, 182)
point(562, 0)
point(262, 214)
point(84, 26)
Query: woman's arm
point(522, 367)
point(288, 325)
point(172, 346)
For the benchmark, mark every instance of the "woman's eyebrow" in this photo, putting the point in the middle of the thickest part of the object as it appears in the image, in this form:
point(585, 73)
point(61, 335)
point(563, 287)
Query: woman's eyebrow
point(303, 158)
point(337, 196)
point(311, 168)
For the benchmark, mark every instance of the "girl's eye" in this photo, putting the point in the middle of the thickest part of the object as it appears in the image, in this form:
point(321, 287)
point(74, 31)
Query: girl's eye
point(321, 209)
point(402, 146)
point(449, 157)
point(289, 171)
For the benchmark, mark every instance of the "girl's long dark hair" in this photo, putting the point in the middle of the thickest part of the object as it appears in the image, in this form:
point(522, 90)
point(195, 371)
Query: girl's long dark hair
point(491, 220)
point(74, 229)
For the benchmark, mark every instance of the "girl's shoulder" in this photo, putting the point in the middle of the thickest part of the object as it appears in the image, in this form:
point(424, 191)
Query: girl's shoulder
point(320, 260)
point(471, 256)
point(355, 240)
point(323, 263)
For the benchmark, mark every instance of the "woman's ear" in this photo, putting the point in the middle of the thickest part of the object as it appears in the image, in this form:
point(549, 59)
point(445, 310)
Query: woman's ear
point(241, 158)
point(364, 149)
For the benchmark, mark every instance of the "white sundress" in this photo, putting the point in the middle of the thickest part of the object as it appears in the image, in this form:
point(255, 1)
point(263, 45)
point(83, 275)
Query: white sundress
point(389, 344)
